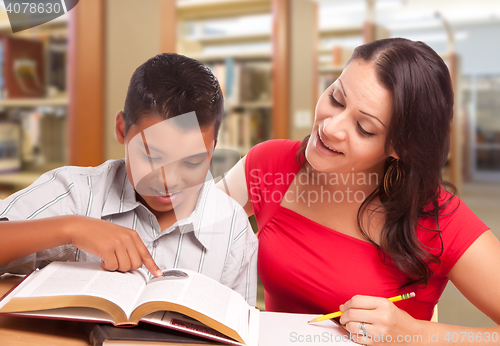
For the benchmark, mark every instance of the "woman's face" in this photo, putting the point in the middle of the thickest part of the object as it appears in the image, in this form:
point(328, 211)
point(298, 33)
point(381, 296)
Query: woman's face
point(351, 121)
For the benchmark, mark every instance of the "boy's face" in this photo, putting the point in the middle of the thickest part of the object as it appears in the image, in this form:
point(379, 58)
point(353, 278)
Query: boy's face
point(165, 163)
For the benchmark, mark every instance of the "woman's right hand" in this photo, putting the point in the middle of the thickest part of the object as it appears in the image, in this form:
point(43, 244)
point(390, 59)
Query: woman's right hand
point(120, 248)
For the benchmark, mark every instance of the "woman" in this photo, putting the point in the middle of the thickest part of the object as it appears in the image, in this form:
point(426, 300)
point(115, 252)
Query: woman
point(357, 212)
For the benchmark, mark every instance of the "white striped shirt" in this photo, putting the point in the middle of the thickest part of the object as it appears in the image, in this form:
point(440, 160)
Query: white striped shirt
point(216, 239)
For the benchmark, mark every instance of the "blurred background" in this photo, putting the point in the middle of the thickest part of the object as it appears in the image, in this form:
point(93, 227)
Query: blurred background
point(63, 82)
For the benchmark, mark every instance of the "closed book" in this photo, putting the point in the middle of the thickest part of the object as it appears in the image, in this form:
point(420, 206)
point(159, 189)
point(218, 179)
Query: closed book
point(143, 334)
point(23, 67)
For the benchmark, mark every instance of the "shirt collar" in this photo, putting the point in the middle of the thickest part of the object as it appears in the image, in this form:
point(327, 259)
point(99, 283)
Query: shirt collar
point(121, 190)
point(200, 221)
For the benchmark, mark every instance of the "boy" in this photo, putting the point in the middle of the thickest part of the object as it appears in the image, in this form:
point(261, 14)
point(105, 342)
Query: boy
point(158, 207)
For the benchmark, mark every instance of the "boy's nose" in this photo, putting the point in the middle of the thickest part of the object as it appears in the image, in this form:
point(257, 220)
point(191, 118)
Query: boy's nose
point(170, 178)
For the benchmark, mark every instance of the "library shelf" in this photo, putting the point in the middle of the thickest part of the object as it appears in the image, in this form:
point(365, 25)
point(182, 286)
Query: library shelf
point(331, 69)
point(232, 38)
point(250, 105)
point(240, 59)
point(221, 8)
point(242, 55)
point(19, 179)
point(341, 31)
point(34, 102)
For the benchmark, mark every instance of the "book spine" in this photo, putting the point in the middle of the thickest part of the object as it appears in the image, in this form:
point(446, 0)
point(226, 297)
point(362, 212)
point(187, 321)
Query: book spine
point(94, 333)
point(1, 70)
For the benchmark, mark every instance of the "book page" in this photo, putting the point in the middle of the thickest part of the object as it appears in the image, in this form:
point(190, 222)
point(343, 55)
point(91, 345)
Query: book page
point(86, 278)
point(287, 329)
point(186, 324)
point(202, 294)
point(82, 314)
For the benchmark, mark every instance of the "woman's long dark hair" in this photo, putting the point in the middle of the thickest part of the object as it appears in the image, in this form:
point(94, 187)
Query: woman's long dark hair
point(419, 132)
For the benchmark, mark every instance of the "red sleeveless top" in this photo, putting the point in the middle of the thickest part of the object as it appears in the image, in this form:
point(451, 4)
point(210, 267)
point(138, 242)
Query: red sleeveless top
point(306, 267)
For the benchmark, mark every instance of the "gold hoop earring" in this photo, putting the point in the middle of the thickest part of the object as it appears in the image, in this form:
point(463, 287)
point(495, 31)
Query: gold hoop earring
point(389, 180)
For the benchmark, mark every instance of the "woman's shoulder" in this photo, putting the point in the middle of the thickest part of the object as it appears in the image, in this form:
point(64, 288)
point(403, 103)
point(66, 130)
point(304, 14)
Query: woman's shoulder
point(272, 152)
point(454, 229)
point(278, 145)
point(452, 206)
point(452, 212)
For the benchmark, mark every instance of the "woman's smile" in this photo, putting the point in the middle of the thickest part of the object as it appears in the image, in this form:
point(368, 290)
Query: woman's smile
point(325, 149)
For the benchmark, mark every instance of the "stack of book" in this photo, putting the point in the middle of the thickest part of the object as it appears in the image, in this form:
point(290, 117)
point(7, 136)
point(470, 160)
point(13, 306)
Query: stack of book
point(180, 300)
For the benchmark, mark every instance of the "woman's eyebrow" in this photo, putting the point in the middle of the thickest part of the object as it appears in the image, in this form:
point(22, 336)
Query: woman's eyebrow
point(342, 86)
point(374, 117)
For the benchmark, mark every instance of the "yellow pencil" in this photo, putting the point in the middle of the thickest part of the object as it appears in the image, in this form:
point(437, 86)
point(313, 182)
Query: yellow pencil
point(338, 313)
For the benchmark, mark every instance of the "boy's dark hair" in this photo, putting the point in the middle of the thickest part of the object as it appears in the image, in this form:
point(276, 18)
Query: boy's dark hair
point(170, 84)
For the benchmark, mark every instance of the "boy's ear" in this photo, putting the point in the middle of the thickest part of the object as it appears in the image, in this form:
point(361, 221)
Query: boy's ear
point(120, 128)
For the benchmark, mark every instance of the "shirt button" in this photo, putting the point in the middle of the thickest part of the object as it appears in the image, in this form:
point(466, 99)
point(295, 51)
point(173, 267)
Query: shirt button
point(155, 243)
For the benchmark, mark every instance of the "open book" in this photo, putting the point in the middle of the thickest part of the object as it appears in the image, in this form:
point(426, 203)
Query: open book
point(180, 299)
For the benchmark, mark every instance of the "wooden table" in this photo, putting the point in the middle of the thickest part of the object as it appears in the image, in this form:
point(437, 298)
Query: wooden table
point(17, 331)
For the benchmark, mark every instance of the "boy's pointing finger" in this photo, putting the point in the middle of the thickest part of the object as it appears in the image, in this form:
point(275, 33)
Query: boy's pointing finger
point(152, 267)
point(149, 262)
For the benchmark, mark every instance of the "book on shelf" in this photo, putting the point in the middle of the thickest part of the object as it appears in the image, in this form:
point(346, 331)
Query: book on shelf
point(255, 82)
point(23, 69)
point(181, 299)
point(10, 146)
point(57, 50)
point(52, 137)
point(243, 82)
point(220, 72)
point(324, 81)
point(43, 135)
point(2, 91)
point(243, 128)
point(30, 120)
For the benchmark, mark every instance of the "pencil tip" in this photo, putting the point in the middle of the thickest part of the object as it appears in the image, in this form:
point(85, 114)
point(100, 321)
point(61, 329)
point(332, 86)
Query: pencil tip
point(313, 320)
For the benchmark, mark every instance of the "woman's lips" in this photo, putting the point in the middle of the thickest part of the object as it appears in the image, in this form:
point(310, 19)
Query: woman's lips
point(322, 147)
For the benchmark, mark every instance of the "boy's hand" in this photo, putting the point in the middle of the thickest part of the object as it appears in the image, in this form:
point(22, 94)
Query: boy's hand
point(119, 247)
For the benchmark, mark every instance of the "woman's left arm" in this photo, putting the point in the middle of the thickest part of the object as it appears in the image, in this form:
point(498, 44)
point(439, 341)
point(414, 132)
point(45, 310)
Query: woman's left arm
point(476, 274)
